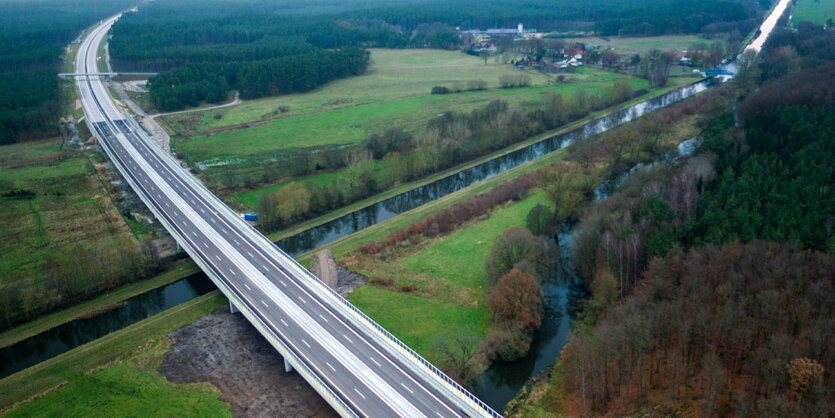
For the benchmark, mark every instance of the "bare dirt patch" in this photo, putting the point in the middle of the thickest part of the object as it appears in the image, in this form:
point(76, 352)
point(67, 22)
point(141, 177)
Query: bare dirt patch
point(224, 349)
point(337, 277)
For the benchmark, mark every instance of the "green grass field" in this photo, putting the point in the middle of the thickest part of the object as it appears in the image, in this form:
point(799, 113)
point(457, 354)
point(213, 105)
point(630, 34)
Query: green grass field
point(115, 375)
point(417, 320)
point(354, 124)
point(642, 45)
point(815, 11)
point(394, 73)
point(460, 256)
point(447, 276)
point(67, 208)
point(395, 92)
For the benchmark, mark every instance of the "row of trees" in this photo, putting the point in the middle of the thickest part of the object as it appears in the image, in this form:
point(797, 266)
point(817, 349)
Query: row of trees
point(449, 139)
point(74, 275)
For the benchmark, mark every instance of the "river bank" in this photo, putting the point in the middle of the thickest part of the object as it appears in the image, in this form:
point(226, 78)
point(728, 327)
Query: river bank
point(340, 228)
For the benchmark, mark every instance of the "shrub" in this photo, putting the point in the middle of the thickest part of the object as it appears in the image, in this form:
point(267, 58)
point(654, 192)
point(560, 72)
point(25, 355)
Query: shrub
point(476, 85)
point(540, 220)
point(518, 248)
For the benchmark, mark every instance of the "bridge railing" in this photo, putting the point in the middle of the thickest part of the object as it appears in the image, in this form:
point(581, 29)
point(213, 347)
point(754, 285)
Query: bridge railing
point(478, 403)
point(313, 378)
point(415, 356)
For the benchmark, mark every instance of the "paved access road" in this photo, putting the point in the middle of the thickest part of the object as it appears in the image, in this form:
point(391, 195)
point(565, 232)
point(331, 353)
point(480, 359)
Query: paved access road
point(342, 354)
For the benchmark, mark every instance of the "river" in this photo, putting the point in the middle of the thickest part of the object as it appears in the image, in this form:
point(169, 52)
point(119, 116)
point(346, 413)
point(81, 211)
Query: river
point(67, 336)
point(503, 380)
point(74, 333)
point(561, 297)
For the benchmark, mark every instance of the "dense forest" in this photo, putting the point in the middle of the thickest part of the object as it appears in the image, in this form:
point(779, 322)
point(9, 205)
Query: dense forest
point(166, 35)
point(210, 82)
point(34, 35)
point(712, 280)
point(630, 17)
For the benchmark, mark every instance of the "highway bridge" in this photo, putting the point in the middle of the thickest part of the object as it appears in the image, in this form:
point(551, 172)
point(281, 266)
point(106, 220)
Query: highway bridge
point(353, 363)
point(100, 74)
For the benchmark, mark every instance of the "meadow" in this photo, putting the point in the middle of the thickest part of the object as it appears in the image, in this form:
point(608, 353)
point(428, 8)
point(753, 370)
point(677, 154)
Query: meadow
point(441, 286)
point(815, 11)
point(394, 73)
point(395, 93)
point(53, 203)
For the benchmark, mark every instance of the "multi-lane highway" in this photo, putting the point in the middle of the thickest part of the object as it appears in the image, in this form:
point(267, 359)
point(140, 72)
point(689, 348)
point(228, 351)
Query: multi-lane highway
point(360, 369)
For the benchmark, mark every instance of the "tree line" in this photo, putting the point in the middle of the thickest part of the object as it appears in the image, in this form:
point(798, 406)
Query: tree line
point(34, 35)
point(447, 140)
point(689, 298)
point(629, 17)
point(75, 275)
point(211, 81)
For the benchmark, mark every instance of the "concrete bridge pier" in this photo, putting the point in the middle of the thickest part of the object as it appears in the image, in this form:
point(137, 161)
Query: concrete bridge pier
point(233, 308)
point(287, 366)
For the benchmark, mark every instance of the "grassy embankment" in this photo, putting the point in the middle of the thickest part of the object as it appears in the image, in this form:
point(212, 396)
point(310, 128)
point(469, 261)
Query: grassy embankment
point(143, 100)
point(815, 11)
point(116, 375)
point(94, 306)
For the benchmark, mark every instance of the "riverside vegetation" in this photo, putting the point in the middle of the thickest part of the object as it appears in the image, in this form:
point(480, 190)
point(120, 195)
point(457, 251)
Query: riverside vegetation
point(361, 33)
point(712, 281)
point(72, 272)
point(63, 238)
point(479, 255)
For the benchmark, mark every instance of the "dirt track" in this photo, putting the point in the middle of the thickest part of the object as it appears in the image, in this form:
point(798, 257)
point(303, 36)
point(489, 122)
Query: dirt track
point(227, 351)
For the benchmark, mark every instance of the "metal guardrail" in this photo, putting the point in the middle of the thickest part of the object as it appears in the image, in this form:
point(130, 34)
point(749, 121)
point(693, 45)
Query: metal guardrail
point(109, 74)
point(313, 379)
point(318, 384)
point(346, 303)
point(478, 403)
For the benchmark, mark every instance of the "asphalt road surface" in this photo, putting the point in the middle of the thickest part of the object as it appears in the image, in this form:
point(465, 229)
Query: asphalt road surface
point(363, 368)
